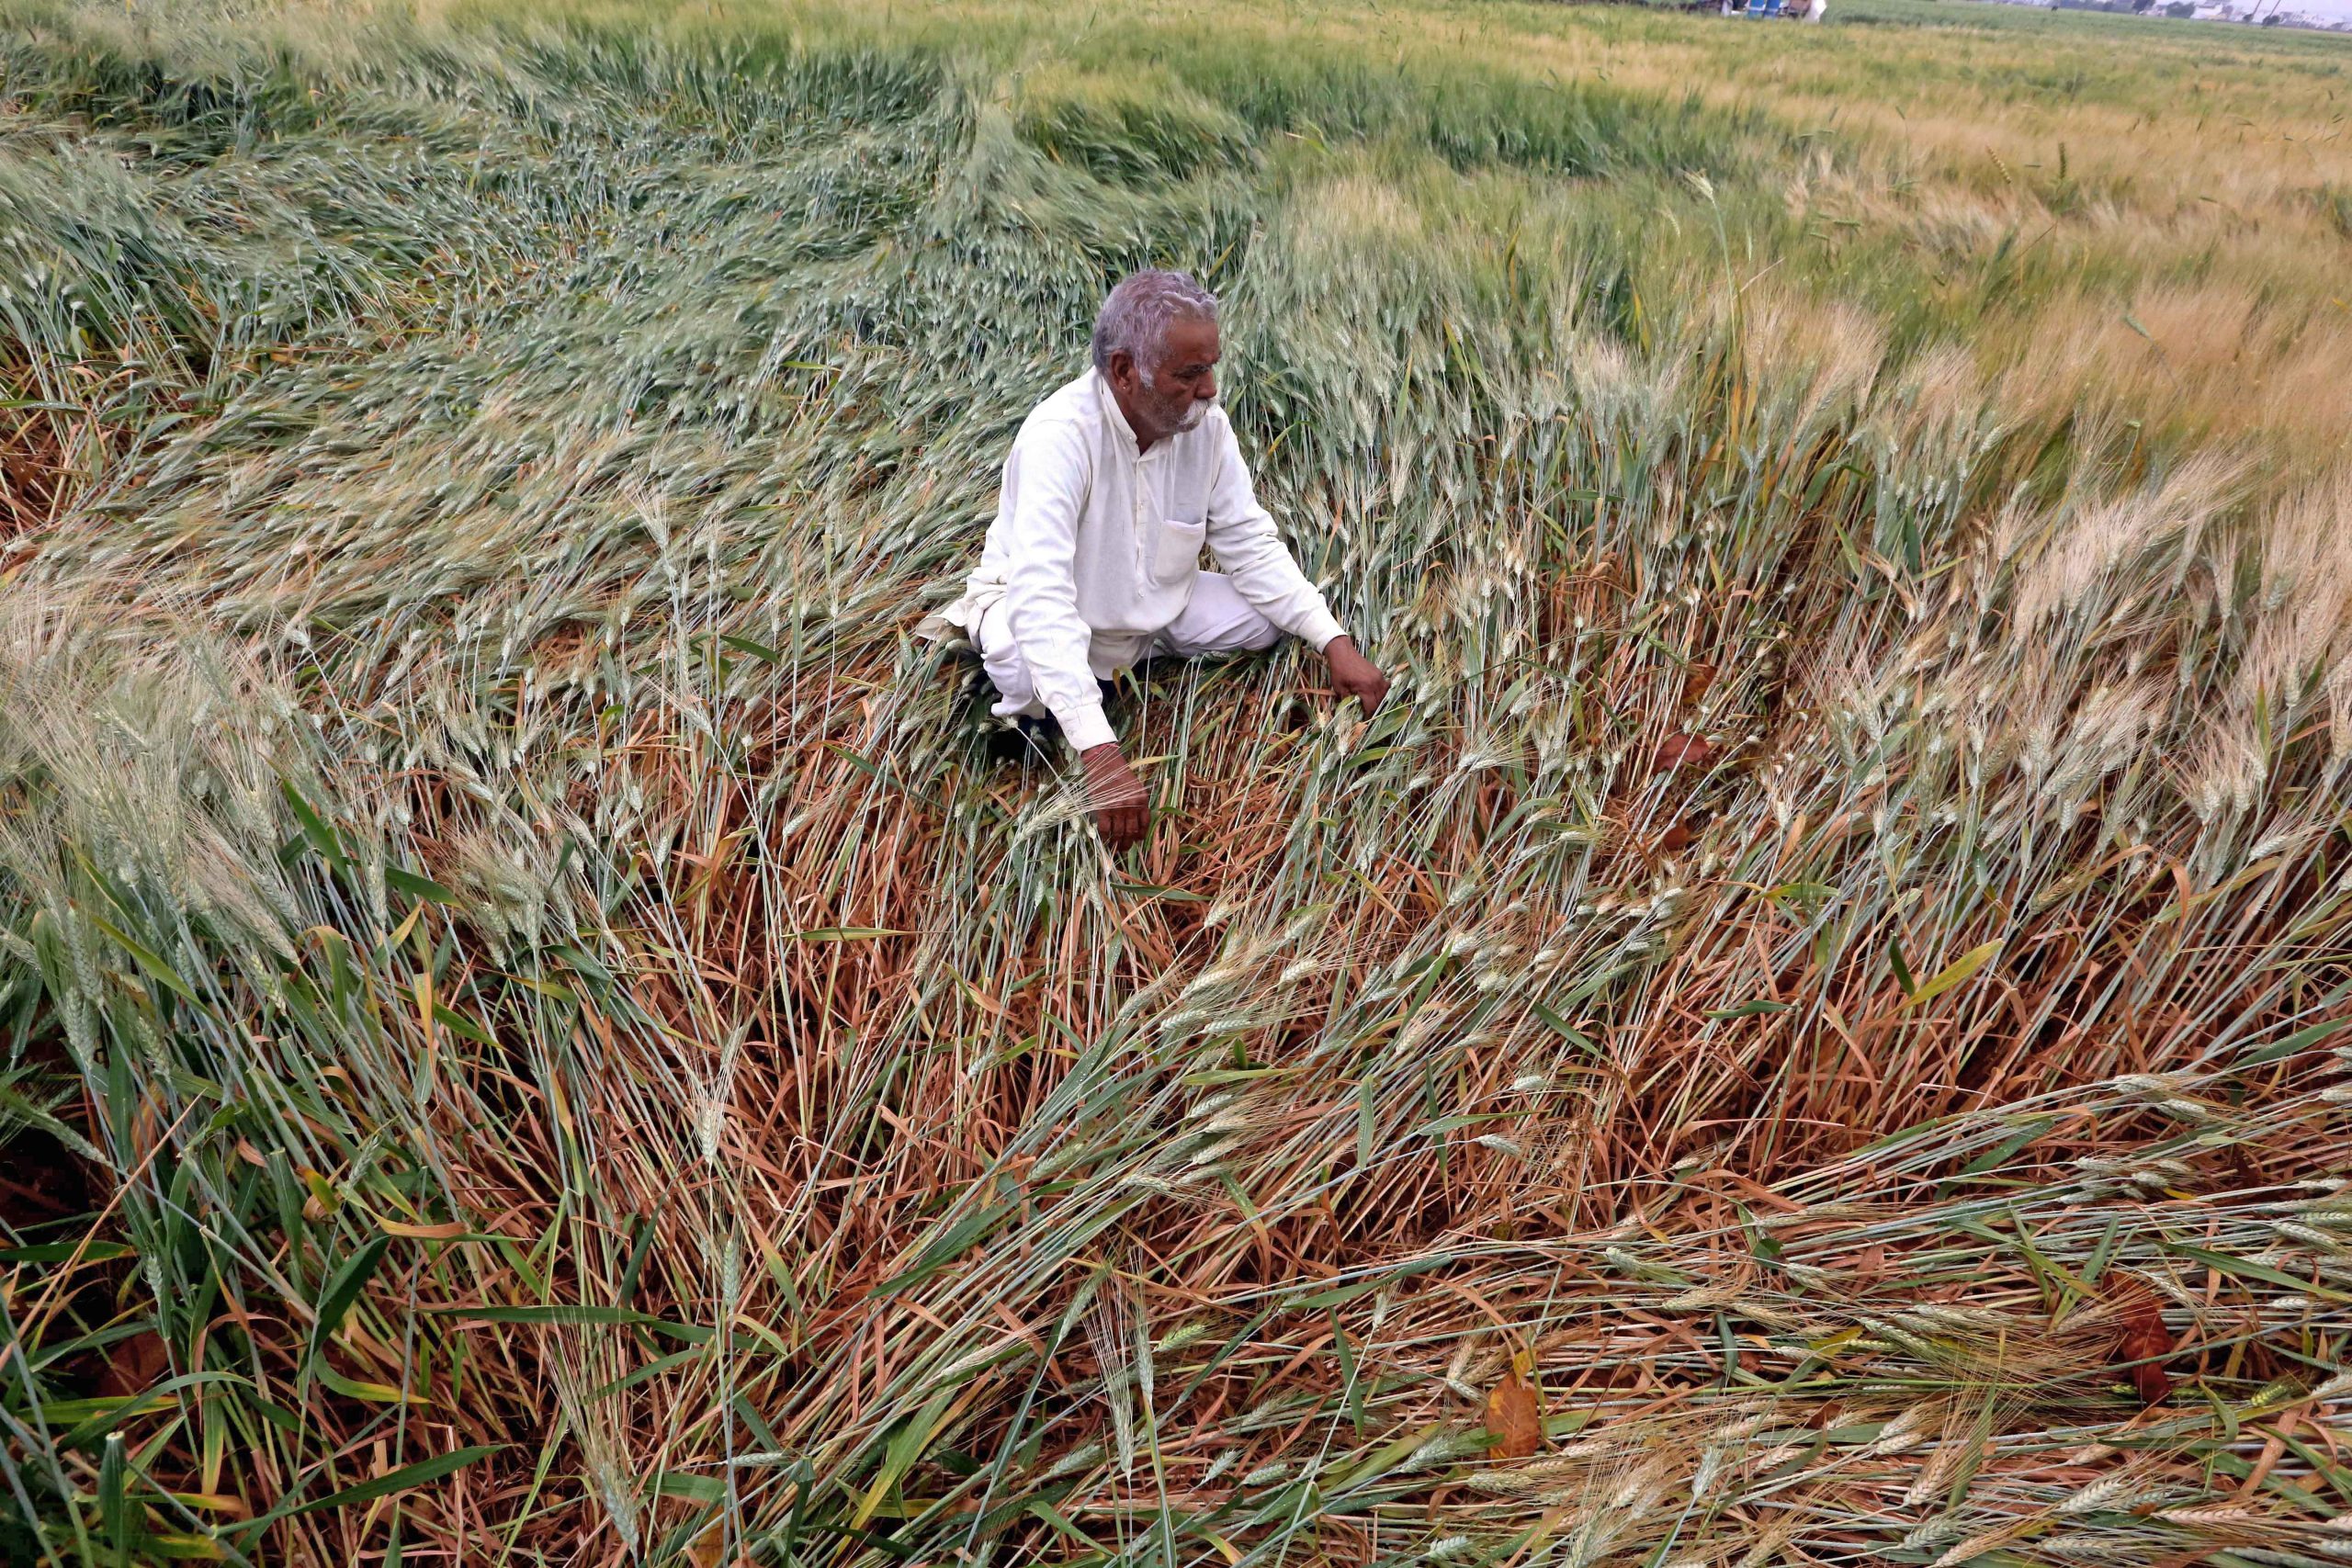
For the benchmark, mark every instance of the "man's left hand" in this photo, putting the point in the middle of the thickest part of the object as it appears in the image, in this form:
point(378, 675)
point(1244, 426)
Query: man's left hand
point(1353, 675)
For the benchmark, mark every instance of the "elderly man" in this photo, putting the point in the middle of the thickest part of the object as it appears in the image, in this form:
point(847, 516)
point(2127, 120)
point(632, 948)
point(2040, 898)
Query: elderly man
point(1093, 564)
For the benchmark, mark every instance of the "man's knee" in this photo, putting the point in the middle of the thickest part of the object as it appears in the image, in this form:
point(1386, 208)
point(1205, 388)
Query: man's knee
point(1218, 620)
point(1242, 629)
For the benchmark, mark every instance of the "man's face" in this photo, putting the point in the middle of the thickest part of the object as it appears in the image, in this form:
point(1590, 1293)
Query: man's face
point(1173, 395)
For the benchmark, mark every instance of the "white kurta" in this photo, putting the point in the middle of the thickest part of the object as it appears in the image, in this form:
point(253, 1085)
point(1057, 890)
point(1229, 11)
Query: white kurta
point(1095, 547)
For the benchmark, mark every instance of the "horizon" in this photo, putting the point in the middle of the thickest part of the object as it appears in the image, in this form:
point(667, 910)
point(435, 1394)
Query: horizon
point(2333, 10)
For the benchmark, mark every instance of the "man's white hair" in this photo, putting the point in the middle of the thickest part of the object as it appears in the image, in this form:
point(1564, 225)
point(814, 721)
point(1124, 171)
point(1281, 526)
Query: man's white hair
point(1137, 314)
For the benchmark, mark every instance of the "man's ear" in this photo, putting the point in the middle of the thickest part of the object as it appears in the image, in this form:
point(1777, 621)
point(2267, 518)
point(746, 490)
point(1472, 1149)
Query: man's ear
point(1120, 367)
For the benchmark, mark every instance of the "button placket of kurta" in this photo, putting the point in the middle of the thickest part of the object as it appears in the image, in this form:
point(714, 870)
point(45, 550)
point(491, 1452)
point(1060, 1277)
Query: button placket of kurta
point(1144, 557)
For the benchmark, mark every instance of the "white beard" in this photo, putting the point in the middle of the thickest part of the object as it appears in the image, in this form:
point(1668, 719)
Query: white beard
point(1194, 410)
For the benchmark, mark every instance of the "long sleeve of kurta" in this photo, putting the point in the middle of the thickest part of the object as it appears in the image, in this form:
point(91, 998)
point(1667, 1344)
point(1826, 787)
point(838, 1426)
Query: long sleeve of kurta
point(1046, 492)
point(1248, 549)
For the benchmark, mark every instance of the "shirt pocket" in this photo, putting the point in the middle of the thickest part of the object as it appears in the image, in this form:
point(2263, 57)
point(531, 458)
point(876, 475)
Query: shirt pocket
point(1179, 551)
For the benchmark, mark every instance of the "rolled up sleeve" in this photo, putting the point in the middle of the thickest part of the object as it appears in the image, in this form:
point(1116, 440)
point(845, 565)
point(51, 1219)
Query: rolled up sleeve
point(1250, 552)
point(1046, 477)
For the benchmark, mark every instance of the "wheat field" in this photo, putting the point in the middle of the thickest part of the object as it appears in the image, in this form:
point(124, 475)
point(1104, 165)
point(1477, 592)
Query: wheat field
point(1806, 1033)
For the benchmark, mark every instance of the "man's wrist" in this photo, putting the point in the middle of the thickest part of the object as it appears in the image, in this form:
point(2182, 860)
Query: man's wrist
point(1085, 728)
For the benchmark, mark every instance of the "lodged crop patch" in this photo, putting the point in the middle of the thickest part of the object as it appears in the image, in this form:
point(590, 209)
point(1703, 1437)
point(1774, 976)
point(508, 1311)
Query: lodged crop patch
point(1807, 1031)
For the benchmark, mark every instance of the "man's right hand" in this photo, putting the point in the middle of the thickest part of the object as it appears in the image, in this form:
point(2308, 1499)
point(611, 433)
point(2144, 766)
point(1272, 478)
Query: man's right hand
point(1115, 794)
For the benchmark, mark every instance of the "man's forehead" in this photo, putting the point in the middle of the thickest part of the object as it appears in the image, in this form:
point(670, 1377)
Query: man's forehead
point(1192, 340)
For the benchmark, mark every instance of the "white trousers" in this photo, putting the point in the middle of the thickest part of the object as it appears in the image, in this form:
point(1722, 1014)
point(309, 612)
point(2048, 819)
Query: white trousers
point(1216, 620)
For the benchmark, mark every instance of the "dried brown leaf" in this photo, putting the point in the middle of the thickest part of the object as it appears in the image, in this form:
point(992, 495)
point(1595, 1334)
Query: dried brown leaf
point(2143, 1342)
point(1514, 1417)
point(1679, 751)
point(133, 1365)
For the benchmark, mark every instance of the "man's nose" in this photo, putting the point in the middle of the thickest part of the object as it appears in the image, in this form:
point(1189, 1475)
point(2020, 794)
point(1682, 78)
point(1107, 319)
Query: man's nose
point(1206, 389)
